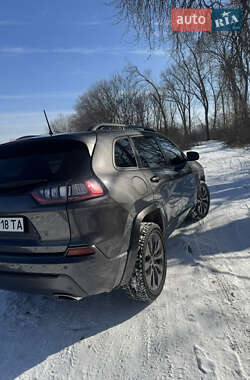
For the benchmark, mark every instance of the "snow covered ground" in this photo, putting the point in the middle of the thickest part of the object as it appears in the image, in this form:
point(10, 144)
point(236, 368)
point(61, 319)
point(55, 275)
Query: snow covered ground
point(199, 328)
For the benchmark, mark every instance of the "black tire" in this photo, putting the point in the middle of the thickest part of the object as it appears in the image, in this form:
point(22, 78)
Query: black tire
point(202, 204)
point(148, 277)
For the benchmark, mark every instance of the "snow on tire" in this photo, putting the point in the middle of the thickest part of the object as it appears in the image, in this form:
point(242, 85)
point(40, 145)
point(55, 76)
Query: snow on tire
point(148, 277)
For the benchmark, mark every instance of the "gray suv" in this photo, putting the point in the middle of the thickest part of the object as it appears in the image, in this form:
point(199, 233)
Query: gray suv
point(84, 213)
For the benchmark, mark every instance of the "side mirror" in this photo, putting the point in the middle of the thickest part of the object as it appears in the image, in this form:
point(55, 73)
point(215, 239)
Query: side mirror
point(193, 156)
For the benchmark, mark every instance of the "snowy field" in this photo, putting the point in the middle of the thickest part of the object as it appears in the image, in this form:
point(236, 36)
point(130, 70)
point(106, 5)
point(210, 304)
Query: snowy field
point(199, 328)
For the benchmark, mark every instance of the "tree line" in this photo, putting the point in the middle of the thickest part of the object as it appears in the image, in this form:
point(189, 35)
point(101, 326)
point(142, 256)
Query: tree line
point(203, 92)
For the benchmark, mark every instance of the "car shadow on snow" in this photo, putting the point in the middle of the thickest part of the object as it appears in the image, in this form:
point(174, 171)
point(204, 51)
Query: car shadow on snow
point(33, 327)
point(187, 247)
point(238, 190)
point(195, 241)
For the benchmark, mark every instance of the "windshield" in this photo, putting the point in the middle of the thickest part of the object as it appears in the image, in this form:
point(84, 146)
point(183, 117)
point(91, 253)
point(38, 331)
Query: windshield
point(52, 161)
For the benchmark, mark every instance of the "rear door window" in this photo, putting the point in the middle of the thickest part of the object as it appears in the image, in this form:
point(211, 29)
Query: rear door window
point(124, 155)
point(57, 160)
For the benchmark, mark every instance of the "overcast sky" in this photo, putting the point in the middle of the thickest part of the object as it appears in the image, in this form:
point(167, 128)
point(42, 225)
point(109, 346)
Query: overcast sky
point(52, 51)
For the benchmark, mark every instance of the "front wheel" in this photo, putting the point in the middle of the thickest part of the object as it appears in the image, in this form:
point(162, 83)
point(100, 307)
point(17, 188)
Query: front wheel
point(202, 204)
point(148, 278)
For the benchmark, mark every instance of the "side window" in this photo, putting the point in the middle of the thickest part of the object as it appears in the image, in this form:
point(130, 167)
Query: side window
point(124, 155)
point(173, 155)
point(149, 152)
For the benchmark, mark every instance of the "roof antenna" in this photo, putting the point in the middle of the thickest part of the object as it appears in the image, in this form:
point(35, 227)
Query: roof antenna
point(46, 117)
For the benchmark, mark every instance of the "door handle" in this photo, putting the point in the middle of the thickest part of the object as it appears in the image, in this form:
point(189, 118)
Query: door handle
point(155, 179)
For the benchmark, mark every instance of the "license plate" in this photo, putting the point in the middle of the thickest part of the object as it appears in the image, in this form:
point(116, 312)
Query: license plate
point(11, 225)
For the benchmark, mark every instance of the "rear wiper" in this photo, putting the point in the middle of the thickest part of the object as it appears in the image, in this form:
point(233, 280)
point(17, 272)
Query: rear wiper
point(27, 182)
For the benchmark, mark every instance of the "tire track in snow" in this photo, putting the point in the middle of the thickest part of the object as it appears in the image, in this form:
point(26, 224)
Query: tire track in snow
point(221, 276)
point(154, 354)
point(226, 298)
point(221, 281)
point(226, 292)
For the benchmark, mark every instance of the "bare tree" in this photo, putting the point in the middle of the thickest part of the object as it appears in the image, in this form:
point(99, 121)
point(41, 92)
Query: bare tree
point(153, 90)
point(119, 100)
point(151, 18)
point(196, 69)
point(177, 89)
point(216, 86)
point(222, 85)
point(62, 123)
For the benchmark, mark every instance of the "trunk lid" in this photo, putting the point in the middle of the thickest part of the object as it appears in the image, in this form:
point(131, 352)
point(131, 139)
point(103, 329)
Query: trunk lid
point(25, 166)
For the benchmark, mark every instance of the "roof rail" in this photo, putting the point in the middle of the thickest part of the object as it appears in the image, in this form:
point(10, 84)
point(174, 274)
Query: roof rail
point(107, 126)
point(139, 127)
point(26, 137)
point(113, 126)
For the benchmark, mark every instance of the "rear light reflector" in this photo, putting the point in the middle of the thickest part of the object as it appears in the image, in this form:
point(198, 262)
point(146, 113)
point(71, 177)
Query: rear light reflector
point(80, 251)
point(73, 192)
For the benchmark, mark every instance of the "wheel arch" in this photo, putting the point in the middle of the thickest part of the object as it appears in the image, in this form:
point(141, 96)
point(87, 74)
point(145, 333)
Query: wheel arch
point(202, 177)
point(153, 214)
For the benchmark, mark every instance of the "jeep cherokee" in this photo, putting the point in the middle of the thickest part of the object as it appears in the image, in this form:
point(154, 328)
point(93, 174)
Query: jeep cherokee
point(86, 212)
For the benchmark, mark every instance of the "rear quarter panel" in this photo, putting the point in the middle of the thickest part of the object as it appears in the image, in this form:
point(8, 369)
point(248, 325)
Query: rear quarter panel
point(127, 194)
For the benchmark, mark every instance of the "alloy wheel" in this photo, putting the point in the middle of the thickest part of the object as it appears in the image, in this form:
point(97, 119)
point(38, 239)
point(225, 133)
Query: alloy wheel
point(202, 201)
point(154, 262)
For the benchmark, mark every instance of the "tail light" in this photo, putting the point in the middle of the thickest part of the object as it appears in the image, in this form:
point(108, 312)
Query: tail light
point(63, 193)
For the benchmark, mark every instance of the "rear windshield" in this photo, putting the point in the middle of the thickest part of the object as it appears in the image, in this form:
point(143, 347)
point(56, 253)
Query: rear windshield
point(57, 160)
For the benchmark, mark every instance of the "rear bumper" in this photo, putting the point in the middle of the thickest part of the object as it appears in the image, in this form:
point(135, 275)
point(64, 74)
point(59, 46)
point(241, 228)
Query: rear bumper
point(76, 276)
point(35, 283)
